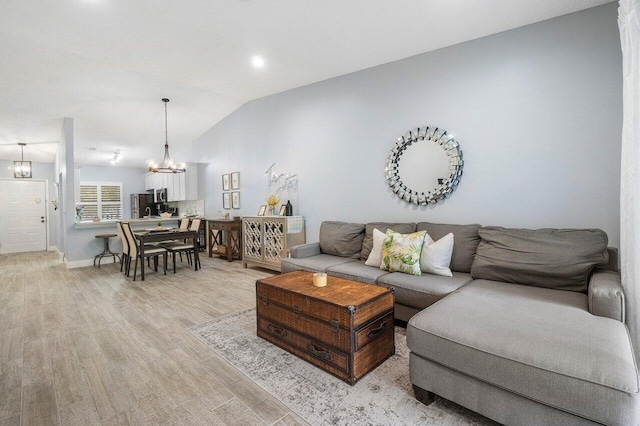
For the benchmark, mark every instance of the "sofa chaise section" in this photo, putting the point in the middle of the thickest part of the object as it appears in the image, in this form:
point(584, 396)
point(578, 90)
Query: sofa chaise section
point(490, 338)
point(536, 337)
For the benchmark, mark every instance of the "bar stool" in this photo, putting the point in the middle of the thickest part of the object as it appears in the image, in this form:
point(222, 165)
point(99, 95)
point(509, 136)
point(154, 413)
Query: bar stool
point(106, 252)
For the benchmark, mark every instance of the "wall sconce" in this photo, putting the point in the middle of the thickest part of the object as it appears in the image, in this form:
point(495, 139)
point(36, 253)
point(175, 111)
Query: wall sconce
point(22, 169)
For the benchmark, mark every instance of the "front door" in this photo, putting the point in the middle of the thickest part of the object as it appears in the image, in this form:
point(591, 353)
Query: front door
point(23, 224)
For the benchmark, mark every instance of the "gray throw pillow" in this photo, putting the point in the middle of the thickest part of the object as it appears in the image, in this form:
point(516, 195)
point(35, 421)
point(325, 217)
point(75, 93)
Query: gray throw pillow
point(341, 239)
point(367, 244)
point(465, 242)
point(561, 259)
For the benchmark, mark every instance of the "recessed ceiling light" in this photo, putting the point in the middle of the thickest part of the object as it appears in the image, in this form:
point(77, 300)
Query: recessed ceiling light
point(92, 149)
point(257, 62)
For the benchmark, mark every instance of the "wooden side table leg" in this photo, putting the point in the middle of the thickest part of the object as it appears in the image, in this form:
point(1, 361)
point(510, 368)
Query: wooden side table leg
point(210, 242)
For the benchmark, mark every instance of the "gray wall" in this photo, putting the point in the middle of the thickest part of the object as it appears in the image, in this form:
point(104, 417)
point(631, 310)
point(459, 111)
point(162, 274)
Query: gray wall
point(537, 111)
point(64, 168)
point(82, 242)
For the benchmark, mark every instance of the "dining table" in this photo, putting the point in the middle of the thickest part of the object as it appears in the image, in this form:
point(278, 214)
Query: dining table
point(163, 235)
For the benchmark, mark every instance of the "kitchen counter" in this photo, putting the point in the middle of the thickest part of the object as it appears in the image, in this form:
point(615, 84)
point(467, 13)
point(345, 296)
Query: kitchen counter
point(135, 222)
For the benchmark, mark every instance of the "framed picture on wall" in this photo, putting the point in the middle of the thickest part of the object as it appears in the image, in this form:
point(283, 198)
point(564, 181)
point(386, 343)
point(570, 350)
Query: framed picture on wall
point(235, 180)
point(225, 182)
point(226, 200)
point(235, 199)
point(263, 210)
point(283, 209)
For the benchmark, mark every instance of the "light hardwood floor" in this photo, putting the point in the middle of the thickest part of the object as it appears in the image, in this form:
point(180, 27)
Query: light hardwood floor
point(88, 346)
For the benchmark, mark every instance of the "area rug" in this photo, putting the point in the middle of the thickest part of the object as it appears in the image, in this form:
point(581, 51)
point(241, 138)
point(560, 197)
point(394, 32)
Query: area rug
point(382, 397)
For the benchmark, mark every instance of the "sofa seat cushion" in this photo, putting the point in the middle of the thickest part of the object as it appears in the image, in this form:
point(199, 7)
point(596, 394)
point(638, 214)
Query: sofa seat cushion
point(539, 343)
point(318, 263)
point(357, 271)
point(422, 291)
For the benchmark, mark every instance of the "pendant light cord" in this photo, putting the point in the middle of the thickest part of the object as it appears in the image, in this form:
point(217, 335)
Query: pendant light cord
point(167, 165)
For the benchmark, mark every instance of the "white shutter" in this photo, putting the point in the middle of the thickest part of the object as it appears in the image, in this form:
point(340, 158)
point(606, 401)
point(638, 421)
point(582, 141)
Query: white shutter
point(101, 199)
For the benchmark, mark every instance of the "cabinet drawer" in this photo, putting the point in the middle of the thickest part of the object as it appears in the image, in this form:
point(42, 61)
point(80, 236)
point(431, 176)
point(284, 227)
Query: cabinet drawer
point(309, 346)
point(373, 330)
point(222, 226)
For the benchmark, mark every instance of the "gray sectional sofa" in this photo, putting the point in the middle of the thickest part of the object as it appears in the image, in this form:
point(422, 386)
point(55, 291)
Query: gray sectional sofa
point(528, 331)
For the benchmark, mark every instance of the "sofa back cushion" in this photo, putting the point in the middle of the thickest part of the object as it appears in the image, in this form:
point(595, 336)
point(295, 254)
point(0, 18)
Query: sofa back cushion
point(465, 242)
point(367, 243)
point(561, 259)
point(341, 238)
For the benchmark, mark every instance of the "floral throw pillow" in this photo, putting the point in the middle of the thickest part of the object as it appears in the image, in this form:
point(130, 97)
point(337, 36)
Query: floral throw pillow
point(401, 252)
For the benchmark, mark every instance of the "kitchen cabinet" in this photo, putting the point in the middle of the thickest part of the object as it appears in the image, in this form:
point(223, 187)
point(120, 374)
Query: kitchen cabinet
point(266, 240)
point(153, 181)
point(149, 181)
point(175, 184)
point(169, 183)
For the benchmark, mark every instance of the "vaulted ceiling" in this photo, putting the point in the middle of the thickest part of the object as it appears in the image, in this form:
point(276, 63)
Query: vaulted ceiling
point(108, 63)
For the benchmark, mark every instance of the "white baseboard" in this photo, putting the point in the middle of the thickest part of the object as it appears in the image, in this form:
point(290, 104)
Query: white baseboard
point(54, 248)
point(87, 262)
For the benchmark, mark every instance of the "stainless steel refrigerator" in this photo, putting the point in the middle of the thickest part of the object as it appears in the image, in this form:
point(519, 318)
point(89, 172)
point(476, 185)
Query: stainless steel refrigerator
point(139, 205)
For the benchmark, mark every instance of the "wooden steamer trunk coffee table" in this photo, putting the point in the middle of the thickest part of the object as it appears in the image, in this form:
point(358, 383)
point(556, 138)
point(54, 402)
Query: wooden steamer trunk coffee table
point(345, 328)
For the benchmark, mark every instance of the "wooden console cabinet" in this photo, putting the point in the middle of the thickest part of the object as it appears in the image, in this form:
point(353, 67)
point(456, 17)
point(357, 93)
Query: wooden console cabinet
point(267, 239)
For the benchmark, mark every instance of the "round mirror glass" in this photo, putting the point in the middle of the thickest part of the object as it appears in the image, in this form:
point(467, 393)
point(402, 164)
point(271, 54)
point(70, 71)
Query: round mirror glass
point(430, 169)
point(424, 165)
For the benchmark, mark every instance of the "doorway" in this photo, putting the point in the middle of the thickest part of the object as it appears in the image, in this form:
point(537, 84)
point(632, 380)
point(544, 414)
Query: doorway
point(23, 216)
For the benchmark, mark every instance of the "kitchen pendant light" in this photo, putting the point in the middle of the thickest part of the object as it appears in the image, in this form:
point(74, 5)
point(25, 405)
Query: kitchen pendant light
point(22, 169)
point(167, 165)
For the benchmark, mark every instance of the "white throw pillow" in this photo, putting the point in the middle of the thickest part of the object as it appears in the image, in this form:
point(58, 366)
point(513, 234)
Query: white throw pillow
point(436, 256)
point(375, 257)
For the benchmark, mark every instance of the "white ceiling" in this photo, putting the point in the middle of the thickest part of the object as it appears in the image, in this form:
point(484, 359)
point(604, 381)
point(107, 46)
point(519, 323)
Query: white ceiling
point(107, 63)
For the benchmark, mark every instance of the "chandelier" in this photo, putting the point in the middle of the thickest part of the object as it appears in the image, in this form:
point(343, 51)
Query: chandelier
point(167, 165)
point(22, 169)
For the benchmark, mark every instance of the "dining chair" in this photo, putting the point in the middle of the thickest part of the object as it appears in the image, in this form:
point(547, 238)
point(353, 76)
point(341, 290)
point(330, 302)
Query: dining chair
point(149, 251)
point(124, 259)
point(185, 247)
point(184, 226)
